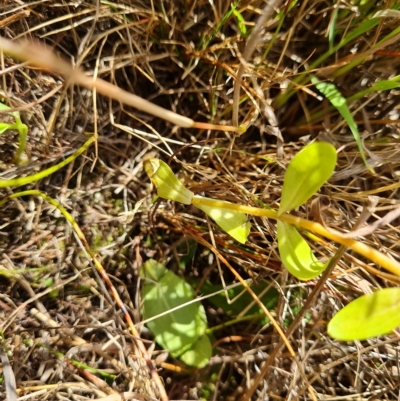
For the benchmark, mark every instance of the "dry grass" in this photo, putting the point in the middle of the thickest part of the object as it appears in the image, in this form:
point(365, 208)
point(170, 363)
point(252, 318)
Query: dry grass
point(182, 56)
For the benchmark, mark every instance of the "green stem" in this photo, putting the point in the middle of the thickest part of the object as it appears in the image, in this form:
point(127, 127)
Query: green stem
point(17, 182)
point(372, 254)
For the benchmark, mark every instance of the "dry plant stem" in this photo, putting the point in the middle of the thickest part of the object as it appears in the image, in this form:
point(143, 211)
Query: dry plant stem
point(310, 299)
point(250, 47)
point(42, 57)
point(379, 258)
point(267, 313)
point(104, 276)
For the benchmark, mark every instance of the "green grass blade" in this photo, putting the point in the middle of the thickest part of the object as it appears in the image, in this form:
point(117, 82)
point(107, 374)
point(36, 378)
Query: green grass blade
point(339, 102)
point(365, 26)
point(331, 35)
point(387, 40)
point(23, 135)
point(378, 86)
point(241, 21)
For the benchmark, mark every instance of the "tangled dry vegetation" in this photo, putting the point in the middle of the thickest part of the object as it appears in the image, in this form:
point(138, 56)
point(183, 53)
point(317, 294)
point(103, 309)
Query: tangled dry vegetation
point(62, 332)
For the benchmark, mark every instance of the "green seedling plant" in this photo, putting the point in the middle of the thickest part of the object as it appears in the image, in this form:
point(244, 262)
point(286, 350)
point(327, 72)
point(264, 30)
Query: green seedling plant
point(19, 126)
point(305, 175)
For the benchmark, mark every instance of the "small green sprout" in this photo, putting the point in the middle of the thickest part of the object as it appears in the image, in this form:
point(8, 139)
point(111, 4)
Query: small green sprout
point(19, 126)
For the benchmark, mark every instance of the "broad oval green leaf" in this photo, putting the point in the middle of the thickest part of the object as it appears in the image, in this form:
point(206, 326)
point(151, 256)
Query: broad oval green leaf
point(168, 185)
point(306, 174)
point(177, 330)
point(234, 223)
point(296, 254)
point(368, 316)
point(199, 354)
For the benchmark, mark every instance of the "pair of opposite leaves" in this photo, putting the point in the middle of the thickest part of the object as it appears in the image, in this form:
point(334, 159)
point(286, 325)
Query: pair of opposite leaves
point(305, 175)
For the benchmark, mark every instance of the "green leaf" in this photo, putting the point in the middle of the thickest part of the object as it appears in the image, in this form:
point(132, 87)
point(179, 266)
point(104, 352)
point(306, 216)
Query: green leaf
point(296, 254)
point(368, 316)
point(339, 102)
point(168, 185)
point(234, 223)
point(306, 174)
point(178, 330)
point(199, 354)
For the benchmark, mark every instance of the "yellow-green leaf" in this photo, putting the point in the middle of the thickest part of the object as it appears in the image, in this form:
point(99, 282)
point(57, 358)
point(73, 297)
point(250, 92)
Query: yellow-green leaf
point(296, 254)
point(234, 223)
point(368, 316)
point(306, 174)
point(168, 185)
